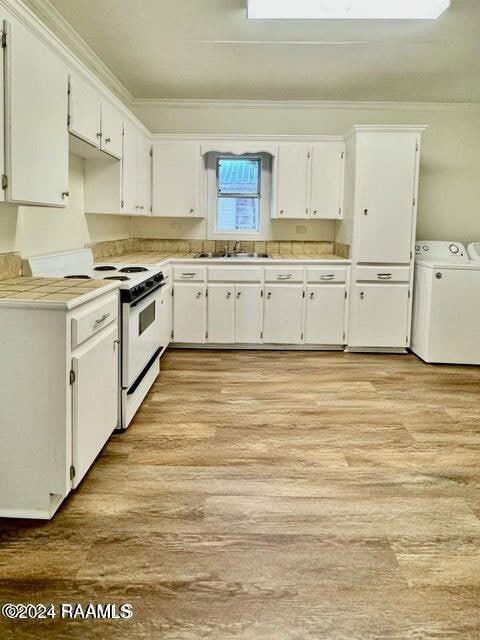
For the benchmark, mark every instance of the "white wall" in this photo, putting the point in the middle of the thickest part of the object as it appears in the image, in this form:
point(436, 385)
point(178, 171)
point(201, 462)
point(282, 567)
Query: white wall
point(449, 202)
point(35, 230)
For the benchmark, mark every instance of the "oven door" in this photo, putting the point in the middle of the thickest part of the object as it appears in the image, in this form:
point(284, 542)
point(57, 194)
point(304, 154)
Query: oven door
point(142, 335)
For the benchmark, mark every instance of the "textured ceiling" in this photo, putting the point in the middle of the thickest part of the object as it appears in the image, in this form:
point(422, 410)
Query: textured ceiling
point(207, 49)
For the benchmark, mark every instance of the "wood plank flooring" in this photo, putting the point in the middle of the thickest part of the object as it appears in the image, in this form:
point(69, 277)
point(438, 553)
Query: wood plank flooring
point(272, 496)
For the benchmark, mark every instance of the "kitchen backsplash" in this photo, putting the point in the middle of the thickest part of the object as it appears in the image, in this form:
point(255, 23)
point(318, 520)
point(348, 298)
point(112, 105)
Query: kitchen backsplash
point(102, 250)
point(10, 265)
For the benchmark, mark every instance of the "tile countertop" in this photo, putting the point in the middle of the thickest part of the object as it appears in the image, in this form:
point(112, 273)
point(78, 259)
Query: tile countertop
point(56, 293)
point(157, 258)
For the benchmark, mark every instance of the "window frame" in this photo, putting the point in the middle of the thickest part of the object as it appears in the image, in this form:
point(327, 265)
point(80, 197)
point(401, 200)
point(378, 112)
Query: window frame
point(264, 197)
point(254, 195)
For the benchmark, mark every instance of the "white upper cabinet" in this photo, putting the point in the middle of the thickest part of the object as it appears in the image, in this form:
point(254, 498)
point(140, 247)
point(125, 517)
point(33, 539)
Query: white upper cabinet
point(327, 174)
point(176, 173)
point(84, 111)
point(130, 170)
point(385, 218)
point(292, 176)
point(36, 120)
point(112, 130)
point(309, 180)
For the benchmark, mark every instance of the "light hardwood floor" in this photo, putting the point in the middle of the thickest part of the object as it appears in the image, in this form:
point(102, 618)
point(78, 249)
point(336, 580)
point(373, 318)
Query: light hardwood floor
point(272, 496)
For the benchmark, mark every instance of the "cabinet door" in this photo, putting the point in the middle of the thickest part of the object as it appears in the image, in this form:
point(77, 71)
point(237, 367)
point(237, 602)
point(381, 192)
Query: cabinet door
point(84, 111)
point(325, 314)
point(248, 313)
point(388, 168)
point(144, 176)
point(130, 170)
point(221, 313)
point(176, 179)
point(166, 316)
point(112, 130)
point(190, 313)
point(283, 322)
point(293, 166)
point(95, 399)
point(36, 116)
point(2, 120)
point(378, 315)
point(326, 190)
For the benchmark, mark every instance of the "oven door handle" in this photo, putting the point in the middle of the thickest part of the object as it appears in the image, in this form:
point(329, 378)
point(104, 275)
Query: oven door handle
point(148, 293)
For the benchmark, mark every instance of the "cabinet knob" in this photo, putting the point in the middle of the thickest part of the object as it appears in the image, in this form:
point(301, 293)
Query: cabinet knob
point(269, 295)
point(199, 294)
point(362, 295)
point(65, 194)
point(315, 213)
point(229, 295)
point(312, 295)
point(192, 211)
point(365, 212)
point(239, 293)
point(99, 135)
point(108, 140)
point(282, 211)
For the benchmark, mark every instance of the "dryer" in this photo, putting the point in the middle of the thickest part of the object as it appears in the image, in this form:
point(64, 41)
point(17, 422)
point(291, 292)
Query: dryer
point(446, 304)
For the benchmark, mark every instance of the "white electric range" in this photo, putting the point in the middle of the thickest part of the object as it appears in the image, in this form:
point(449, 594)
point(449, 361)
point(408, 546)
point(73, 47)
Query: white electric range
point(140, 292)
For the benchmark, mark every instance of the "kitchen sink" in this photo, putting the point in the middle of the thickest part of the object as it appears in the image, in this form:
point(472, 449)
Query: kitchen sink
point(233, 254)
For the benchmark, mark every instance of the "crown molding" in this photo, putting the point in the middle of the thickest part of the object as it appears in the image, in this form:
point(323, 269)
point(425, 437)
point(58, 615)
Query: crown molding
point(161, 103)
point(53, 20)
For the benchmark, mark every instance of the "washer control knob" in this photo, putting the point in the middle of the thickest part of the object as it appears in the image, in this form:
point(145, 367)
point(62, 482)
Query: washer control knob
point(454, 249)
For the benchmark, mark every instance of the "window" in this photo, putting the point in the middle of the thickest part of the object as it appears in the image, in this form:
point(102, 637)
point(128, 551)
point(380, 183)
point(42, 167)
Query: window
point(238, 194)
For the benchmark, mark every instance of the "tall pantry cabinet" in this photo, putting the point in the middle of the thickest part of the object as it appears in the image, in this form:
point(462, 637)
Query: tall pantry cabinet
point(380, 210)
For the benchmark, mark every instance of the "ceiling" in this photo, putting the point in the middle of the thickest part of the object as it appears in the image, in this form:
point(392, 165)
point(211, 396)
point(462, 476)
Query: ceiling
point(206, 49)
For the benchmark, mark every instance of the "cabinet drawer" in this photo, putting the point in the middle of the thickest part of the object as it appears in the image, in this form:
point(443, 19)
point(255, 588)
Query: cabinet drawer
point(382, 273)
point(326, 274)
point(189, 273)
point(235, 274)
point(284, 274)
point(94, 319)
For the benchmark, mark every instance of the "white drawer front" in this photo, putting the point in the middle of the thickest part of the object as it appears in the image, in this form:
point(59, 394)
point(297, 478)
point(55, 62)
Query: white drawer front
point(189, 273)
point(235, 274)
point(284, 274)
point(326, 274)
point(382, 273)
point(93, 319)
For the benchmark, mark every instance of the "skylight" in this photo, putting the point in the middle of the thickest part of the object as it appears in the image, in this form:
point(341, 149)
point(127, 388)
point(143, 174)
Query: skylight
point(348, 9)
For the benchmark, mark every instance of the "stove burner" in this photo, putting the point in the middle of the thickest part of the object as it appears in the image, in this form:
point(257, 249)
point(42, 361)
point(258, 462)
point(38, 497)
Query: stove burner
point(105, 268)
point(121, 278)
point(133, 269)
point(80, 277)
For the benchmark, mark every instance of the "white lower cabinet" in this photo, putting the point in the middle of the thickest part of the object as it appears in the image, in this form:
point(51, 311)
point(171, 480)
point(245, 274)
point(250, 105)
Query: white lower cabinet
point(325, 314)
point(249, 313)
point(166, 316)
point(379, 315)
point(190, 312)
point(283, 321)
point(94, 399)
point(221, 313)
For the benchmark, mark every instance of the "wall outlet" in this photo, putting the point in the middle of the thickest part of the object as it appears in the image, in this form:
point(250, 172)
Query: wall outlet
point(301, 229)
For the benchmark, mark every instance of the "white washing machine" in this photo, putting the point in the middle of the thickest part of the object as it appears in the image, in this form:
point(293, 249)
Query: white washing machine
point(446, 304)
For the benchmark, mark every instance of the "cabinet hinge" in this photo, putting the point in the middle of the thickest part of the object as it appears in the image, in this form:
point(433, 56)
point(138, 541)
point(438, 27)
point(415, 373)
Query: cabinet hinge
point(206, 292)
point(344, 336)
point(304, 294)
point(343, 155)
point(261, 335)
point(411, 255)
point(206, 335)
point(309, 155)
point(301, 337)
point(173, 292)
point(414, 201)
point(306, 211)
point(4, 40)
point(417, 147)
point(151, 153)
point(73, 472)
point(69, 90)
point(262, 293)
point(4, 181)
point(122, 204)
point(171, 335)
point(409, 293)
point(69, 120)
point(407, 341)
point(340, 211)
point(72, 376)
point(346, 295)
